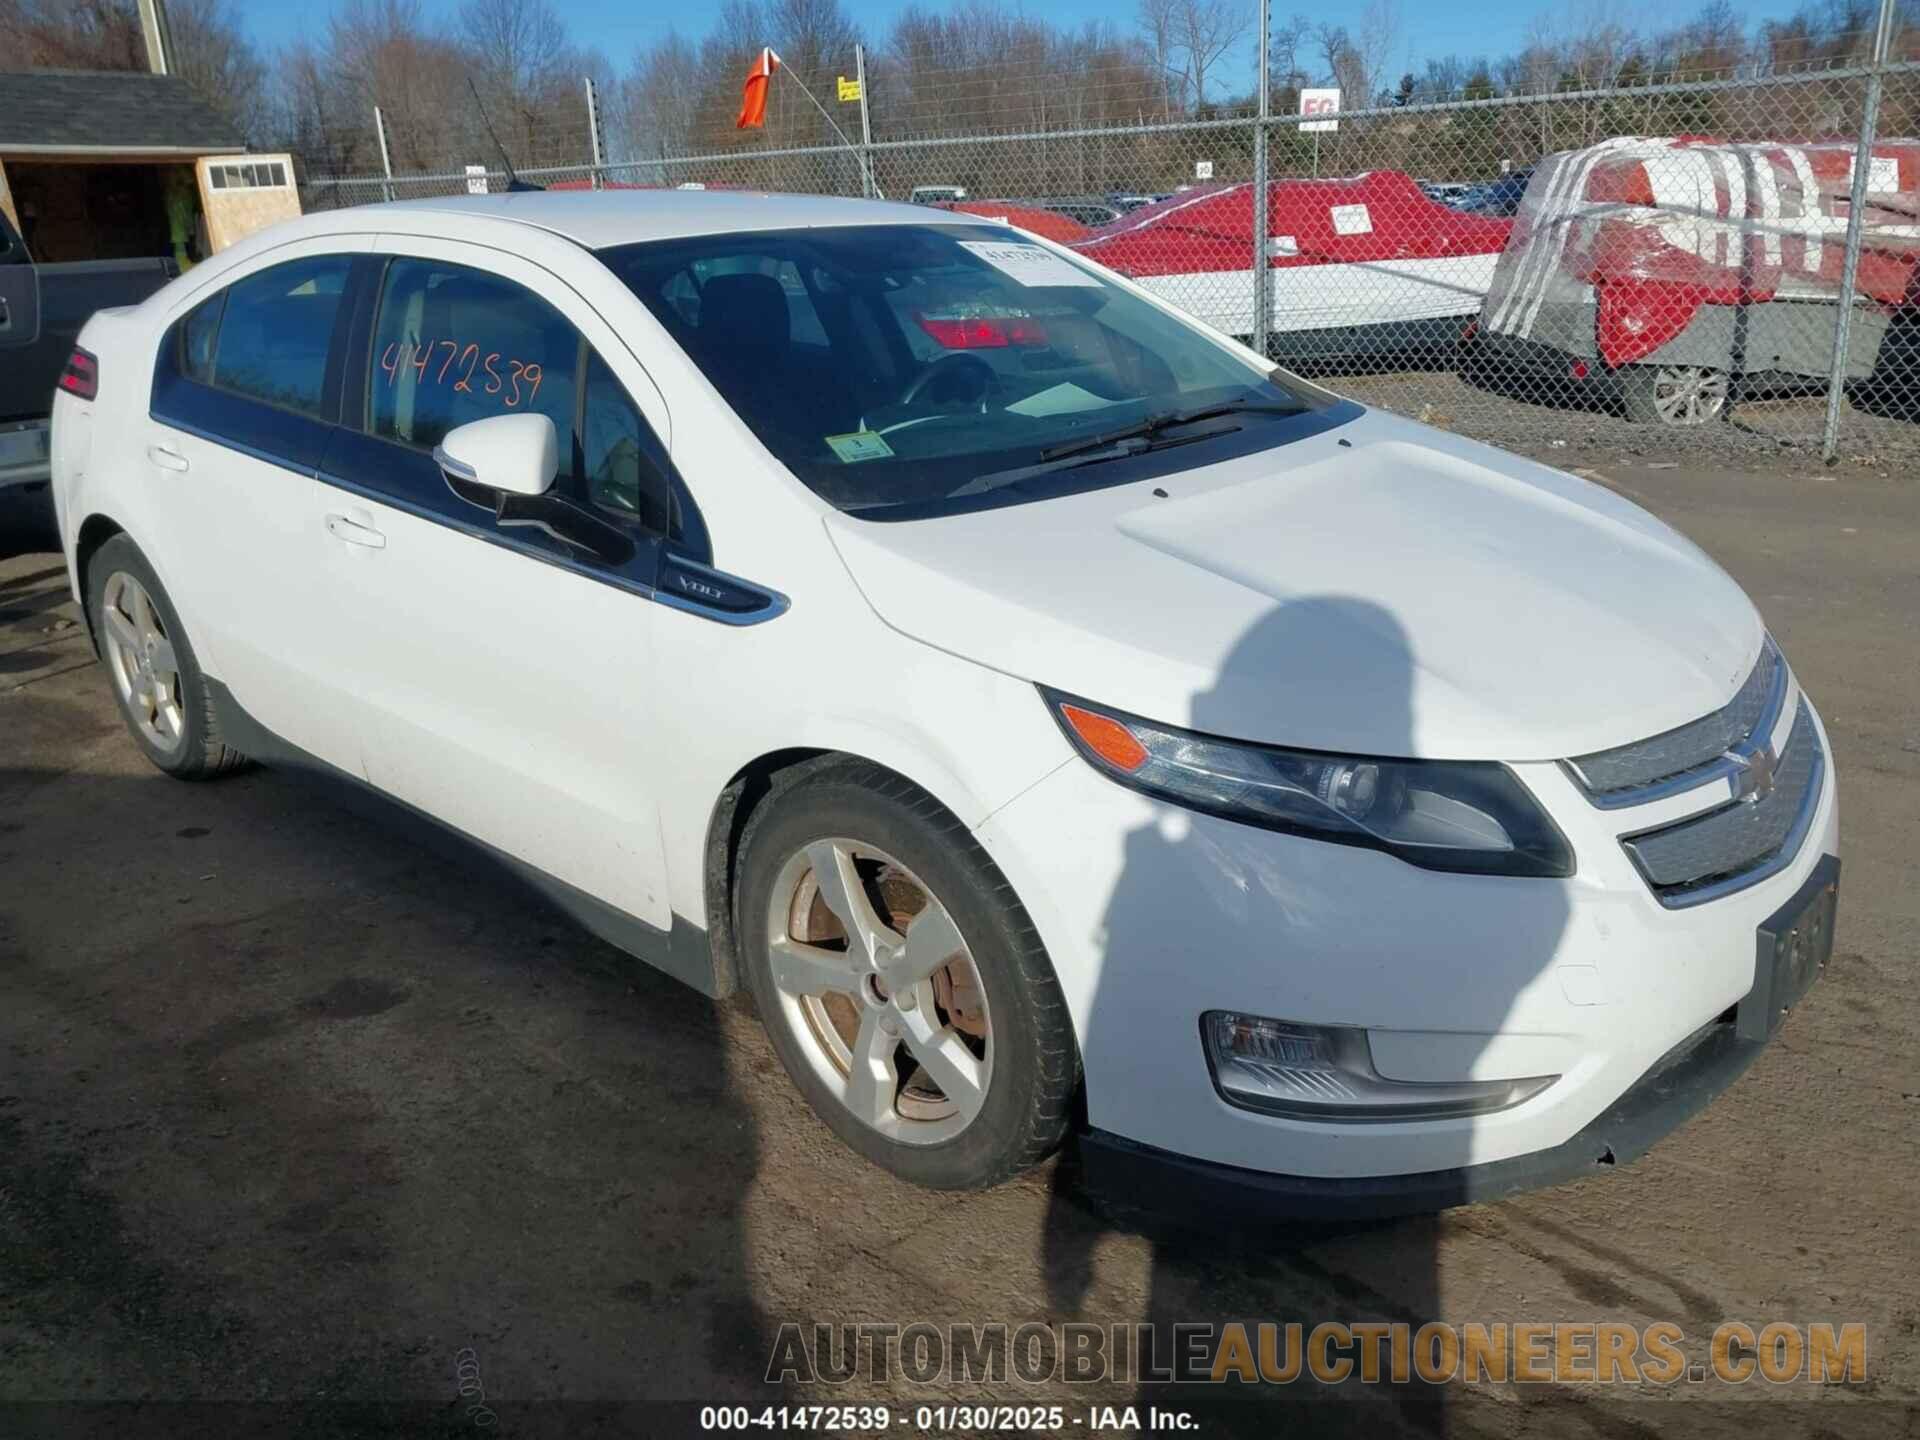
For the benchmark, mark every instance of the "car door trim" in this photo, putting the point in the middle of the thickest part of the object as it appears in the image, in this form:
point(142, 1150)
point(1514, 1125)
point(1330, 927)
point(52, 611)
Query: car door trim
point(775, 604)
point(227, 442)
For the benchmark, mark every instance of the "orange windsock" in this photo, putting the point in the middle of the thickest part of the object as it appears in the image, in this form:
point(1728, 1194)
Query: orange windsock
point(753, 101)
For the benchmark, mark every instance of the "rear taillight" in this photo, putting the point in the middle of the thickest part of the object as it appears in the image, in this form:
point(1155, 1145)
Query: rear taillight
point(82, 375)
point(983, 332)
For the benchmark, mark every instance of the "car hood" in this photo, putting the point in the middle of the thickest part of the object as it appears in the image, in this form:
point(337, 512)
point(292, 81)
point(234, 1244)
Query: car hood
point(1380, 588)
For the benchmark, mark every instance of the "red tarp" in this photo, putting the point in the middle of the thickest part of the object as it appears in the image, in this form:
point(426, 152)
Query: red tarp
point(1645, 231)
point(1381, 215)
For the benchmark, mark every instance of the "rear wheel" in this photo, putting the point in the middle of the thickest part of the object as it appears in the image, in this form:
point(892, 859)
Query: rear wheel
point(1676, 396)
point(156, 678)
point(901, 981)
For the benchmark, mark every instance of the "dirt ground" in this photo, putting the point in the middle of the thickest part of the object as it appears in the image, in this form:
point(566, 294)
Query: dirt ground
point(305, 1122)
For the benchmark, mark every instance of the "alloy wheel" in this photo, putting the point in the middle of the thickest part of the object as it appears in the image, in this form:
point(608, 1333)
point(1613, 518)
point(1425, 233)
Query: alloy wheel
point(1688, 395)
point(877, 984)
point(146, 672)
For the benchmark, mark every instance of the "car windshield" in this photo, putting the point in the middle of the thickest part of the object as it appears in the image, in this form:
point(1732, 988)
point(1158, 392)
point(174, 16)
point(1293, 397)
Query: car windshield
point(905, 371)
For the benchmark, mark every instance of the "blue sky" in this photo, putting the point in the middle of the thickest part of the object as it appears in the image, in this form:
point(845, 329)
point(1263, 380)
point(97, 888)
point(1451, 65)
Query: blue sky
point(616, 28)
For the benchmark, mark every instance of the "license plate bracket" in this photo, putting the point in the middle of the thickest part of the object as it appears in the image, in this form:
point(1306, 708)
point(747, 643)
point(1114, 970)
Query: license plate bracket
point(1791, 950)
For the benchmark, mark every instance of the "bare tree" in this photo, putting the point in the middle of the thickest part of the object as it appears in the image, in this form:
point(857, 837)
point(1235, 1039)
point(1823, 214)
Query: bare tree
point(516, 44)
point(1287, 43)
point(1374, 43)
point(1357, 61)
point(658, 98)
point(521, 61)
point(71, 35)
point(381, 52)
point(1206, 30)
point(1341, 60)
point(1159, 27)
point(212, 54)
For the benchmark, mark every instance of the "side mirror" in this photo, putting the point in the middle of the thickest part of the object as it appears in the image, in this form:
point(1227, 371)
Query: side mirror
point(509, 454)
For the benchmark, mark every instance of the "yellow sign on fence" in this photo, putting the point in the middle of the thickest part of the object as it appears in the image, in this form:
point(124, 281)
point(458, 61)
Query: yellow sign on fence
point(849, 90)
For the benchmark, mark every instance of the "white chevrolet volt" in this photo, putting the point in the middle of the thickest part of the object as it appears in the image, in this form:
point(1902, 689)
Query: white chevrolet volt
point(1053, 715)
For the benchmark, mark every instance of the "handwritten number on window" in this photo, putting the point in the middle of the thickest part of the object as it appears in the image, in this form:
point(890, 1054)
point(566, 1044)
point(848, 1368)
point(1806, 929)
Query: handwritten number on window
point(460, 363)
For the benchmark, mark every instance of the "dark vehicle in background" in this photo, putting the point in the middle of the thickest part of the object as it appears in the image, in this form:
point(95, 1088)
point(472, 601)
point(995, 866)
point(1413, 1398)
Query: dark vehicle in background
point(1495, 197)
point(42, 308)
point(1085, 209)
point(1127, 201)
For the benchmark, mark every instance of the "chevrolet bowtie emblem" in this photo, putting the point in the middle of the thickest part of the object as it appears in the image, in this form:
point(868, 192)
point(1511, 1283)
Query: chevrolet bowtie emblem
point(1753, 773)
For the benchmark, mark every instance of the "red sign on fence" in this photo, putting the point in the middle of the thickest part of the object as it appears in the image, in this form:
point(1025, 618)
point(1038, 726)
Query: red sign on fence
point(1320, 102)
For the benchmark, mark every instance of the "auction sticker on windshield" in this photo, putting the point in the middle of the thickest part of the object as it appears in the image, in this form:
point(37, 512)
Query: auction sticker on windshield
point(859, 445)
point(1029, 264)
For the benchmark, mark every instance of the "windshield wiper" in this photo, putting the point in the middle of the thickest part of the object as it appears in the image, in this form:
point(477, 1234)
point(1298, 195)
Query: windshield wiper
point(1078, 455)
point(1152, 425)
point(1140, 438)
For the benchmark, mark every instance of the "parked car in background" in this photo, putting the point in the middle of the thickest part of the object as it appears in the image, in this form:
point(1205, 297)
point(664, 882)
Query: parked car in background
point(937, 194)
point(1494, 197)
point(1089, 212)
point(1026, 215)
point(42, 308)
point(1046, 708)
point(1444, 192)
point(1129, 200)
point(1638, 277)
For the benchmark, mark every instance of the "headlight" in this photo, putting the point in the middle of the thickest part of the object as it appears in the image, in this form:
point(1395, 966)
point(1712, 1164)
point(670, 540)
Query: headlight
point(1469, 815)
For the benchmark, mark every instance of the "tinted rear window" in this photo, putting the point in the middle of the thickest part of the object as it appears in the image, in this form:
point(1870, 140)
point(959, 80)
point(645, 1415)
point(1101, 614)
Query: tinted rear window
point(274, 335)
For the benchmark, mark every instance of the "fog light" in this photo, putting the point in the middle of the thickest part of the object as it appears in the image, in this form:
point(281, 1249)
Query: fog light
point(1325, 1072)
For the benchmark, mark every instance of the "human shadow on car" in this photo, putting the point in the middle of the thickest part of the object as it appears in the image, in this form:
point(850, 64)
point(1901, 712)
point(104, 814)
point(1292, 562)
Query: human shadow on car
point(1305, 904)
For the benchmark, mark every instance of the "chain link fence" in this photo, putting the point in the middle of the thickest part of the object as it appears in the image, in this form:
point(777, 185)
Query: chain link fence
point(1718, 265)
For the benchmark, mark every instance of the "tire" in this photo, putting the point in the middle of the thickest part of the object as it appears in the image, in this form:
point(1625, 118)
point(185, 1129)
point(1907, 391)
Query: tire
point(1658, 395)
point(166, 706)
point(996, 998)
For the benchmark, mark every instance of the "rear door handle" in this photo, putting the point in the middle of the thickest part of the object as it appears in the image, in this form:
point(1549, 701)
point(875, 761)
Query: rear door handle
point(341, 528)
point(167, 458)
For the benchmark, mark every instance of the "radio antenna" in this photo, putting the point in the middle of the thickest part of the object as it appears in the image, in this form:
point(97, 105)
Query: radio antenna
point(514, 182)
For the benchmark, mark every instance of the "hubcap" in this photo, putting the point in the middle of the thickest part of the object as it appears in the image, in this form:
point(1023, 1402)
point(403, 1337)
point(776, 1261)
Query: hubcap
point(145, 672)
point(877, 984)
point(1688, 394)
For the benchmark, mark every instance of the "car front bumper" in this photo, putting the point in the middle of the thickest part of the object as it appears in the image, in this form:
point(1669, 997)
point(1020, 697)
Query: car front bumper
point(1680, 1085)
point(1154, 915)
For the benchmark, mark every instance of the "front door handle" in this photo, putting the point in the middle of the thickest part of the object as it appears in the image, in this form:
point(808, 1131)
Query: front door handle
point(167, 458)
point(341, 528)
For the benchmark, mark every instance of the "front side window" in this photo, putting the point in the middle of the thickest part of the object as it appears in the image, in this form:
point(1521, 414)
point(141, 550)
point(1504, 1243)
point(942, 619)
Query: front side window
point(902, 371)
point(623, 466)
point(453, 345)
point(197, 338)
point(274, 331)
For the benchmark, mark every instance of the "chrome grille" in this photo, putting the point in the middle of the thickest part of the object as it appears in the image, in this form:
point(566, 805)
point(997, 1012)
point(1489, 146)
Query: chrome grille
point(1740, 843)
point(1683, 758)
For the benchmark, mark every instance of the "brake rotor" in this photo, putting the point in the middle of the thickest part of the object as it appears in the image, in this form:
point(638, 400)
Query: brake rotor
point(957, 990)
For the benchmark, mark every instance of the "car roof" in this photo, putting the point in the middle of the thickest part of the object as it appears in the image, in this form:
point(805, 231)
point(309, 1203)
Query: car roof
point(600, 218)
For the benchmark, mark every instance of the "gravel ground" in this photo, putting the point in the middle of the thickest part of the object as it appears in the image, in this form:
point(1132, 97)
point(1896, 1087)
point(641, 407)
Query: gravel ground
point(301, 1113)
point(1784, 430)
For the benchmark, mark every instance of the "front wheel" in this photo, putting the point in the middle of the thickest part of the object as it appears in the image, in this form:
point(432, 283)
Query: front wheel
point(901, 981)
